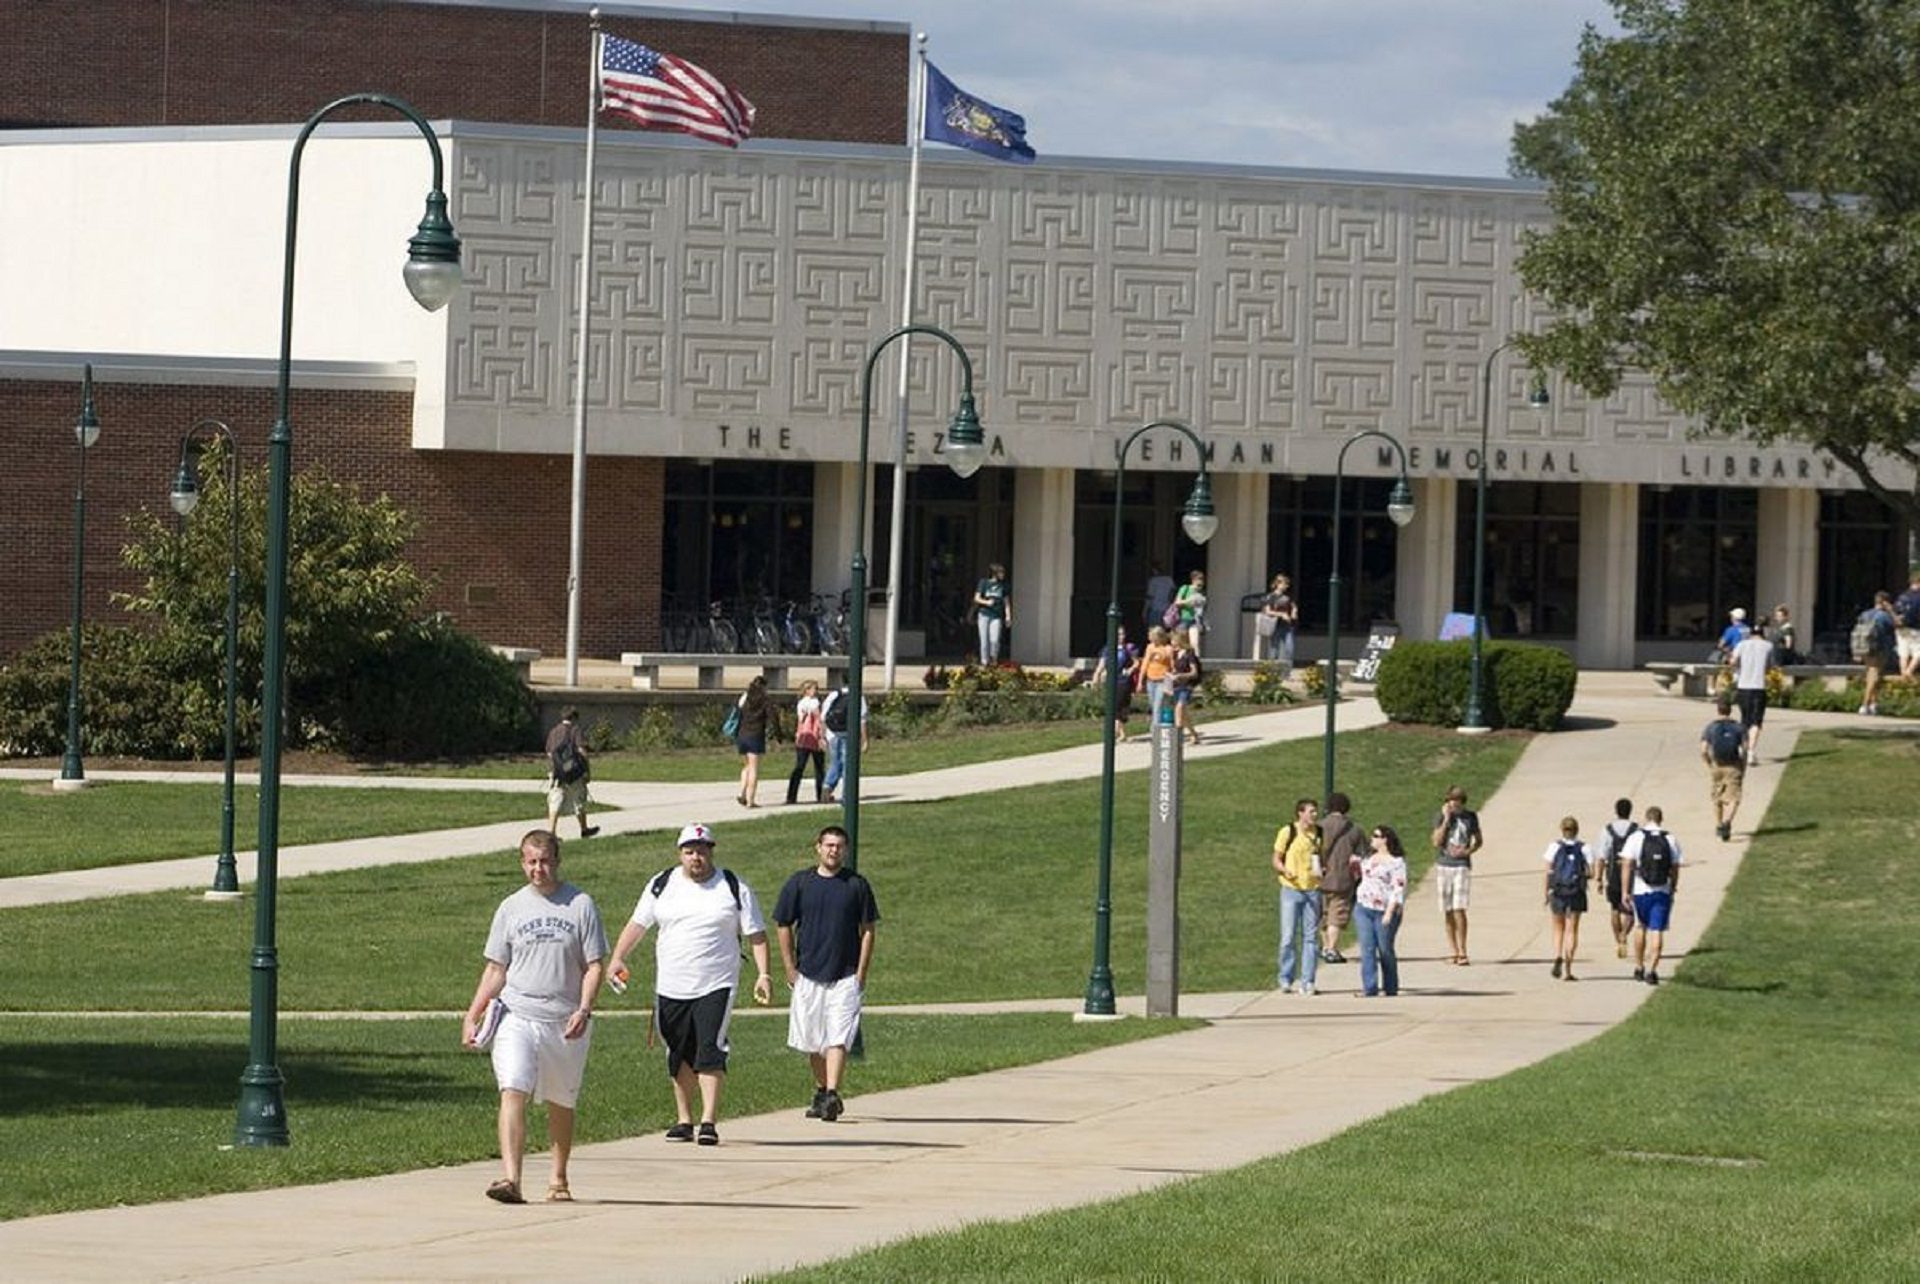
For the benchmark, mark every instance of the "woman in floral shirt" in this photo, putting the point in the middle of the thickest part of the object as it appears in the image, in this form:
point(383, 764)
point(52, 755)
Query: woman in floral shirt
point(1379, 905)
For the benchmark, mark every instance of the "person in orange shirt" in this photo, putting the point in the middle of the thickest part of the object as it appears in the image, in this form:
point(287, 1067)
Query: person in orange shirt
point(1157, 665)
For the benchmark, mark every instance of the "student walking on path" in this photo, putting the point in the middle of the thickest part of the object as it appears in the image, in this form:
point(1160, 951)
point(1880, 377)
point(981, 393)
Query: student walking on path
point(1296, 862)
point(1607, 877)
point(755, 725)
point(568, 771)
point(544, 955)
point(1568, 867)
point(1652, 859)
point(1723, 747)
point(825, 918)
point(1343, 845)
point(1456, 837)
point(809, 742)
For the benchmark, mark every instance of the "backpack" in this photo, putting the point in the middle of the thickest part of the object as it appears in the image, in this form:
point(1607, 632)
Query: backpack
point(1725, 741)
point(1869, 636)
point(1655, 865)
point(836, 717)
point(1569, 868)
point(730, 725)
point(1187, 669)
point(659, 883)
point(1171, 618)
point(809, 731)
point(567, 764)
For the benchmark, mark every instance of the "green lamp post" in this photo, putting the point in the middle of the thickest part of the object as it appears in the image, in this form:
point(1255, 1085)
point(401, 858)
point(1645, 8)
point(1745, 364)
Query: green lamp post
point(185, 497)
point(1199, 523)
point(1400, 510)
point(86, 431)
point(1472, 719)
point(432, 275)
point(965, 449)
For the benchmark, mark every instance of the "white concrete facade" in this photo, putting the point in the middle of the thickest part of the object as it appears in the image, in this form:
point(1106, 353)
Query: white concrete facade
point(735, 297)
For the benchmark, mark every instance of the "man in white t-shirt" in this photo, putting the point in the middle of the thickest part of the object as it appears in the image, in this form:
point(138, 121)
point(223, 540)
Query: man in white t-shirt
point(1751, 660)
point(1650, 863)
point(544, 957)
point(703, 912)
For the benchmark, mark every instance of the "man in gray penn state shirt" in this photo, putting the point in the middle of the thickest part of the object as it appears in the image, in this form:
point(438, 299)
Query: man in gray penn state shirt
point(545, 954)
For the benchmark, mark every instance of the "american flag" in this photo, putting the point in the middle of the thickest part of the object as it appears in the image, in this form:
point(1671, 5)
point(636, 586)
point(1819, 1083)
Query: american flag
point(664, 92)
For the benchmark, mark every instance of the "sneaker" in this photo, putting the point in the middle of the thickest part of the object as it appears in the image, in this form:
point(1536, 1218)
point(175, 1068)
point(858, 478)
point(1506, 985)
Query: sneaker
point(709, 1135)
point(1332, 956)
point(1725, 830)
point(819, 1096)
point(1568, 974)
point(1306, 987)
point(1289, 987)
point(832, 1108)
point(1619, 949)
point(1639, 974)
point(1653, 978)
point(1556, 969)
point(680, 1132)
point(589, 831)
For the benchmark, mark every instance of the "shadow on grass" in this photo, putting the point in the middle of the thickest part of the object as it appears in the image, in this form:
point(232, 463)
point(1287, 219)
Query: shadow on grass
point(1769, 831)
point(65, 1078)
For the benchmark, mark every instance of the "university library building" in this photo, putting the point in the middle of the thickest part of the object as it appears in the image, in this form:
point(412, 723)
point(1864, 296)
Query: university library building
point(735, 297)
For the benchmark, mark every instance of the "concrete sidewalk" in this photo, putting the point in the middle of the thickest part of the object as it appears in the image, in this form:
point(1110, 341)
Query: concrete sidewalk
point(1017, 1141)
point(640, 807)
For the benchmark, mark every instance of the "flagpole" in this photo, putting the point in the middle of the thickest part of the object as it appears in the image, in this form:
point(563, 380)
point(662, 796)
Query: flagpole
point(577, 524)
point(896, 529)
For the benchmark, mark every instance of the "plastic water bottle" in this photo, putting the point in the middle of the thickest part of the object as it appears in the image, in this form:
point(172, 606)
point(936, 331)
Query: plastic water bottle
point(621, 975)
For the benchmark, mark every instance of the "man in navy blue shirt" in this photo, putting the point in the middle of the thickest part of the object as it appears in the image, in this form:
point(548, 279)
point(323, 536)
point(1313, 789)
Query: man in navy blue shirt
point(825, 917)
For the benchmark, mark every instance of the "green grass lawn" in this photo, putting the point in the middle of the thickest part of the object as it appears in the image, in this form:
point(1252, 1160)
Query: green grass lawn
point(1759, 1119)
point(119, 822)
point(984, 897)
point(96, 1112)
point(885, 757)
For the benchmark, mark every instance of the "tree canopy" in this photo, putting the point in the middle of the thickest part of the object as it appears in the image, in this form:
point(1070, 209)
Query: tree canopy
point(1736, 195)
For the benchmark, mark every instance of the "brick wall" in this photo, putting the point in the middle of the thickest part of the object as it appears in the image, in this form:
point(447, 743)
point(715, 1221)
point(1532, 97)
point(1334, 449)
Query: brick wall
point(200, 62)
point(493, 528)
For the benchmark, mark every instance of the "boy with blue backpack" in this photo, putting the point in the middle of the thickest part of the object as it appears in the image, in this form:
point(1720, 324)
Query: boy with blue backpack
point(1723, 747)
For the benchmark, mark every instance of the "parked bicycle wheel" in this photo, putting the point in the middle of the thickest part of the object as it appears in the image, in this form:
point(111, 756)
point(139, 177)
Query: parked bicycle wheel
point(674, 632)
point(799, 638)
point(833, 637)
point(723, 637)
point(765, 638)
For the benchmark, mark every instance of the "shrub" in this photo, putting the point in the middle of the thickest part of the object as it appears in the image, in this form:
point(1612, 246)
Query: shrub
point(131, 703)
point(1270, 684)
point(1522, 685)
point(1313, 680)
point(653, 729)
point(434, 693)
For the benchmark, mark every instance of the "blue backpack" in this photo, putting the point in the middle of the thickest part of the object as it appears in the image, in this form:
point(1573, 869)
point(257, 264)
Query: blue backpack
point(1569, 868)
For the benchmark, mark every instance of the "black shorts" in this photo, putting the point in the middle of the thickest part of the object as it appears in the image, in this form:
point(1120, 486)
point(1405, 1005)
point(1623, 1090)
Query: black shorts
point(1617, 898)
point(695, 1030)
point(1753, 705)
point(1574, 902)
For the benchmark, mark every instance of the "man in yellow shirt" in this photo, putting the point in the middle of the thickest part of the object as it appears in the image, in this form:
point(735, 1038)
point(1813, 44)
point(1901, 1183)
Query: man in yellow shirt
point(1296, 860)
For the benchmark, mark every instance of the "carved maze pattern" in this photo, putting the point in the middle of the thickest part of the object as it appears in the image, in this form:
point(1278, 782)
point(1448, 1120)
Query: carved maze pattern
point(748, 288)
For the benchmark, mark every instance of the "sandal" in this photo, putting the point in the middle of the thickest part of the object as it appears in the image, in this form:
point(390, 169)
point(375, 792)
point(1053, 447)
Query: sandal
point(557, 1193)
point(506, 1192)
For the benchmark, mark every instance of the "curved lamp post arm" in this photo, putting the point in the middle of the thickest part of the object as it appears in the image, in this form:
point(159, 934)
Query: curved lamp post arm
point(964, 442)
point(86, 431)
point(1402, 497)
point(432, 274)
point(1471, 719)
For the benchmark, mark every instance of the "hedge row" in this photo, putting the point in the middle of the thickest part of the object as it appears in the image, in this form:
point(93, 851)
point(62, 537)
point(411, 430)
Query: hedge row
point(1521, 685)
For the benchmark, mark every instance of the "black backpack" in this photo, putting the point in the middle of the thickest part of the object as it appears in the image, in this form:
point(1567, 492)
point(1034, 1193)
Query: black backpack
point(1655, 865)
point(567, 763)
point(836, 718)
point(1569, 868)
point(1725, 739)
point(659, 884)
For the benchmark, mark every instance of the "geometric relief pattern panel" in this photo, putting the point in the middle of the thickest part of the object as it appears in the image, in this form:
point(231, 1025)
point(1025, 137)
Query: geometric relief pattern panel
point(1446, 397)
point(1635, 413)
point(1251, 391)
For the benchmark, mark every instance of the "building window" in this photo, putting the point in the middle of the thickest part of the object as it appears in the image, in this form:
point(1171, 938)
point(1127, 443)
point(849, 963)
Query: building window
point(1863, 545)
point(1698, 547)
point(1532, 568)
point(1300, 545)
point(955, 527)
point(1150, 537)
point(737, 531)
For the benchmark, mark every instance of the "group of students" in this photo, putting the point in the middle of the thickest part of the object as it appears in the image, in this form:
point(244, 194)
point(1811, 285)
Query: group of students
point(1168, 668)
point(1332, 870)
point(546, 961)
point(1637, 870)
point(819, 738)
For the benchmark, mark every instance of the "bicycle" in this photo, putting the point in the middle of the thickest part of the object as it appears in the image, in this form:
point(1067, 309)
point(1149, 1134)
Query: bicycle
point(760, 633)
point(721, 635)
point(796, 638)
point(830, 624)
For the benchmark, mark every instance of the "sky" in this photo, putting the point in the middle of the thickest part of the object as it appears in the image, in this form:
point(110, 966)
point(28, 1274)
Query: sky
point(1402, 86)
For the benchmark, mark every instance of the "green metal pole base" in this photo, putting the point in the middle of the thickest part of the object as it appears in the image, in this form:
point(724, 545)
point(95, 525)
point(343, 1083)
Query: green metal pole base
point(262, 1119)
point(221, 895)
point(1099, 996)
point(1465, 730)
point(68, 784)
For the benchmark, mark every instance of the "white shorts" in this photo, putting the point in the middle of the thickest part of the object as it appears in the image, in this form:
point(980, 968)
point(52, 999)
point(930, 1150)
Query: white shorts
point(1455, 883)
point(536, 1058)
point(562, 799)
point(823, 1016)
point(1906, 644)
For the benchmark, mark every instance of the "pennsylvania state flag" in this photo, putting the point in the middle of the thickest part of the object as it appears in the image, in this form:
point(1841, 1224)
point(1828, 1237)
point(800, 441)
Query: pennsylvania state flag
point(957, 117)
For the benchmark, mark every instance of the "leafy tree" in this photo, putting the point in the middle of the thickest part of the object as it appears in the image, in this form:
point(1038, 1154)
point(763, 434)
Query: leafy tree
point(1736, 192)
point(351, 593)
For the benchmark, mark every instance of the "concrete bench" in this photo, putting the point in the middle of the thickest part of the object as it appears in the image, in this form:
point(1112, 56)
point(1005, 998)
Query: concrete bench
point(1698, 678)
point(710, 669)
point(521, 658)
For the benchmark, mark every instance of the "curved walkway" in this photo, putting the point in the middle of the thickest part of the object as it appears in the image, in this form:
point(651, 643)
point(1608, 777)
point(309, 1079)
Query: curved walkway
point(1013, 1142)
